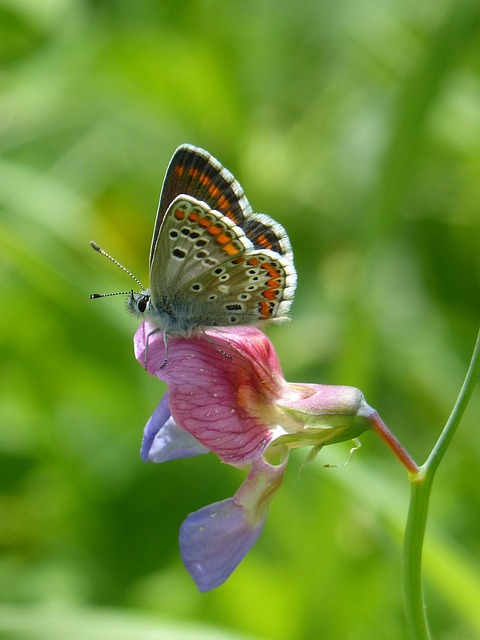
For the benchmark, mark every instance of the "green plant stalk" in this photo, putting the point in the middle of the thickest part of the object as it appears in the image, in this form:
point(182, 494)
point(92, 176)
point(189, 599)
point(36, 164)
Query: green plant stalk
point(421, 480)
point(415, 610)
point(420, 489)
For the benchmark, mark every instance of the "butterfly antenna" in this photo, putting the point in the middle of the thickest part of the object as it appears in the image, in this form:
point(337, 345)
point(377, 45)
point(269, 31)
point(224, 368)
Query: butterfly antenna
point(106, 295)
point(95, 246)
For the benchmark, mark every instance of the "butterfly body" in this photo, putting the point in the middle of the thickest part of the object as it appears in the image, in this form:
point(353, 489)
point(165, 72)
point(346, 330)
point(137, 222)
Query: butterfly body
point(213, 262)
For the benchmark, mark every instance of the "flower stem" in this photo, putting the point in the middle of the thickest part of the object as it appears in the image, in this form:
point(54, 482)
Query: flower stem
point(415, 610)
point(392, 443)
point(420, 488)
point(448, 432)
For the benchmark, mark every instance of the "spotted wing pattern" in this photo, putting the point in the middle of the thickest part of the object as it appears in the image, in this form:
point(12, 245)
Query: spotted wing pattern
point(195, 172)
point(207, 272)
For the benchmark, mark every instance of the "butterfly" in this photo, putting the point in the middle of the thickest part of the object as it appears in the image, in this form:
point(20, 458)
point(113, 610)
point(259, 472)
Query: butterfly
point(213, 262)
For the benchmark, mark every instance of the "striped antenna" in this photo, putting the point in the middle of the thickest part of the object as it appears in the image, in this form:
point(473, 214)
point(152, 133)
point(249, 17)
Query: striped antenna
point(98, 249)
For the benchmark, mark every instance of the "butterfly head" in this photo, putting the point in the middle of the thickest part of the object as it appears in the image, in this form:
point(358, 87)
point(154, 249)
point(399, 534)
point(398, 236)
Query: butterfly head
point(138, 304)
point(163, 313)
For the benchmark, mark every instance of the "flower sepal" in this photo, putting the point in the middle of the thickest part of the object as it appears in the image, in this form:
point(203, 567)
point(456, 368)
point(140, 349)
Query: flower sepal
point(323, 414)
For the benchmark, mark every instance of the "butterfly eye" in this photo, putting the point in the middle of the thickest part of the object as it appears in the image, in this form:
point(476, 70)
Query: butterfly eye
point(142, 303)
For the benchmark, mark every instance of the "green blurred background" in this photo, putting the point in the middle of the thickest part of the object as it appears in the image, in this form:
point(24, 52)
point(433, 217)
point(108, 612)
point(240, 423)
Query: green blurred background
point(354, 123)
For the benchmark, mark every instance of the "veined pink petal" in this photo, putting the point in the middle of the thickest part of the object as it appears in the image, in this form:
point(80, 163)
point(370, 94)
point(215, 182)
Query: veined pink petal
point(222, 386)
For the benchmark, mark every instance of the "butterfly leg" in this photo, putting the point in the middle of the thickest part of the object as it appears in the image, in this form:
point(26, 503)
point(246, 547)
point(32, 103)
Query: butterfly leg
point(217, 348)
point(165, 342)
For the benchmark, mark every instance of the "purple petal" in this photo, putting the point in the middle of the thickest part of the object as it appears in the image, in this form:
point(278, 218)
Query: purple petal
point(163, 440)
point(214, 540)
point(153, 426)
point(171, 443)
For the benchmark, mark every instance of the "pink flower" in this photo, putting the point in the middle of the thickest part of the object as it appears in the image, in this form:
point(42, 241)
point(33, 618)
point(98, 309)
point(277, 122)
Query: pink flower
point(227, 395)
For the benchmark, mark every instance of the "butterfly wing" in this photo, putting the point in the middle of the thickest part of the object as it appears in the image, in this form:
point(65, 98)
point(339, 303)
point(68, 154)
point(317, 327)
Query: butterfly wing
point(213, 262)
point(259, 285)
point(205, 271)
point(266, 233)
point(195, 172)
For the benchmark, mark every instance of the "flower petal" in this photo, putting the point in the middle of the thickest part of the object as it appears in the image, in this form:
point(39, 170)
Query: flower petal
point(172, 443)
point(319, 414)
point(215, 539)
point(156, 421)
point(222, 386)
point(163, 440)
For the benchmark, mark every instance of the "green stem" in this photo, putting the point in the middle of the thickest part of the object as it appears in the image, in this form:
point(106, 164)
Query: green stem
point(447, 434)
point(415, 611)
point(420, 489)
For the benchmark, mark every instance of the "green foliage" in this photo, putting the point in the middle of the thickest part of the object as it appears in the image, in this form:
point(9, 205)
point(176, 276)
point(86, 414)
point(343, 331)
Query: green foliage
point(356, 125)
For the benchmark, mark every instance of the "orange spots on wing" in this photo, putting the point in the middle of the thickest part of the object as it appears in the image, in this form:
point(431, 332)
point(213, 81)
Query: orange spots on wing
point(179, 170)
point(179, 214)
point(266, 309)
point(204, 222)
point(213, 191)
point(234, 218)
point(193, 216)
point(270, 294)
point(215, 229)
point(204, 179)
point(271, 270)
point(223, 203)
point(253, 262)
point(192, 172)
point(272, 283)
point(223, 238)
point(263, 241)
point(231, 249)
